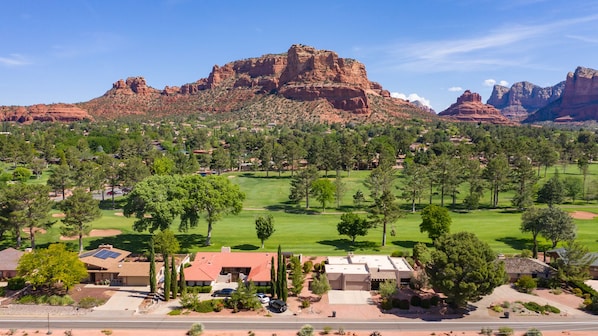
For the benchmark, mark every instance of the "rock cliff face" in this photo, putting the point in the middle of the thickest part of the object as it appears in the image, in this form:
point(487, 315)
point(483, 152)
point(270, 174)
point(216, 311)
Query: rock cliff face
point(523, 98)
point(303, 84)
point(469, 107)
point(40, 112)
point(579, 101)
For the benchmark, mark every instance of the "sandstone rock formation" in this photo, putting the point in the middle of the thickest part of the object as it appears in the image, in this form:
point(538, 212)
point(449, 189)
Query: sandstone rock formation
point(523, 98)
point(469, 107)
point(41, 112)
point(301, 85)
point(579, 101)
point(338, 87)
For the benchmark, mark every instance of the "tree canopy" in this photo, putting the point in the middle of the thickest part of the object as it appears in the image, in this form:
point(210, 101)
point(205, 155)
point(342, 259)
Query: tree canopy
point(352, 225)
point(79, 210)
point(264, 227)
point(464, 268)
point(436, 221)
point(53, 268)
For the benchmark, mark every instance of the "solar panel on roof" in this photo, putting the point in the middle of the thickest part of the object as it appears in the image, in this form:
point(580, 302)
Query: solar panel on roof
point(103, 254)
point(113, 255)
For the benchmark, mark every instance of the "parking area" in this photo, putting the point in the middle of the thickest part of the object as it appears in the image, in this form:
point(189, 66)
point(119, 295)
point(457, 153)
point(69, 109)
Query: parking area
point(349, 297)
point(126, 299)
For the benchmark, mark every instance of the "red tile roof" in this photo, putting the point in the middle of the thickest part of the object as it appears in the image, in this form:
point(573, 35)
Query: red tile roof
point(207, 265)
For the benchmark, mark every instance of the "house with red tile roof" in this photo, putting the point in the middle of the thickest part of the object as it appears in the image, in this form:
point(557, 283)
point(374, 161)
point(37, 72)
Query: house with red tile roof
point(209, 268)
point(9, 259)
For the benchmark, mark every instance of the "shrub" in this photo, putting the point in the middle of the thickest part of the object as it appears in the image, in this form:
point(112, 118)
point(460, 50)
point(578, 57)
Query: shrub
point(2, 291)
point(533, 306)
point(341, 331)
point(404, 304)
point(387, 304)
point(525, 253)
point(425, 303)
point(497, 309)
point(107, 332)
point(204, 306)
point(305, 303)
point(584, 288)
point(326, 330)
point(416, 301)
point(396, 303)
point(526, 284)
point(399, 253)
point(196, 329)
point(90, 302)
point(577, 292)
point(306, 330)
point(505, 331)
point(434, 300)
point(486, 331)
point(506, 304)
point(27, 299)
point(533, 332)
point(16, 283)
point(217, 305)
point(175, 312)
point(308, 266)
point(376, 333)
point(556, 291)
point(552, 309)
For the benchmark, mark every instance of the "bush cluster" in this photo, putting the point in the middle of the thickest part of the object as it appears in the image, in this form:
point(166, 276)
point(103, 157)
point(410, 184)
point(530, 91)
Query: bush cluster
point(16, 283)
point(52, 300)
point(533, 306)
point(90, 302)
point(199, 289)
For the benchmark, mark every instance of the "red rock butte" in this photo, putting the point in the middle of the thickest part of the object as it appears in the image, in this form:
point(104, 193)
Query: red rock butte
point(469, 107)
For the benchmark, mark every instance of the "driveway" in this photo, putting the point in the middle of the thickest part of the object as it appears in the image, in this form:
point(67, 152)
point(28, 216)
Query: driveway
point(126, 299)
point(351, 297)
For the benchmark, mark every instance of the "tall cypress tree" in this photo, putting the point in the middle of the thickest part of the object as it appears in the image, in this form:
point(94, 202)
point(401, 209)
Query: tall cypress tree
point(273, 282)
point(174, 284)
point(279, 276)
point(166, 278)
point(182, 282)
point(284, 293)
point(152, 271)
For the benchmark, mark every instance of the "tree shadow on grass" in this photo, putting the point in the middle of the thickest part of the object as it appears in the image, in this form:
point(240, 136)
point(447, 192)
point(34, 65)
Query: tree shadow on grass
point(409, 244)
point(135, 243)
point(272, 175)
point(189, 241)
point(516, 243)
point(291, 208)
point(346, 245)
point(246, 247)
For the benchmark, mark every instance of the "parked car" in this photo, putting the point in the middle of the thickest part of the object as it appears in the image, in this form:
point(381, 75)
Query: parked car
point(278, 306)
point(263, 297)
point(224, 292)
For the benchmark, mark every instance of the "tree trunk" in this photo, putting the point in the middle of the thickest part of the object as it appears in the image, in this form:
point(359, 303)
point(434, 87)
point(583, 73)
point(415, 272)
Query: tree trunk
point(535, 247)
point(413, 204)
point(384, 234)
point(80, 242)
point(32, 237)
point(208, 241)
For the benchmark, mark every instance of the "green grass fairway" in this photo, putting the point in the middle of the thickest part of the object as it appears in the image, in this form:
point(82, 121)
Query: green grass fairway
point(314, 232)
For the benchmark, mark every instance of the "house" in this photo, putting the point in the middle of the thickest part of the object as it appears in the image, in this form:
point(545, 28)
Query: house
point(107, 264)
point(561, 253)
point(209, 268)
point(517, 267)
point(348, 271)
point(9, 259)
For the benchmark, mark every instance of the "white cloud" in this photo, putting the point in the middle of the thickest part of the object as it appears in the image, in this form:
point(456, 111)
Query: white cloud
point(455, 89)
point(411, 97)
point(503, 83)
point(489, 82)
point(13, 60)
point(504, 46)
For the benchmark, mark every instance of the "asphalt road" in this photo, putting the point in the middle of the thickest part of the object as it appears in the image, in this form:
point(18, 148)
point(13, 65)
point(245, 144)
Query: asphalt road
point(165, 323)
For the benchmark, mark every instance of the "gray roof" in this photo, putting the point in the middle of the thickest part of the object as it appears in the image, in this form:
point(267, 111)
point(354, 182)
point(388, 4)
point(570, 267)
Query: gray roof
point(9, 259)
point(519, 265)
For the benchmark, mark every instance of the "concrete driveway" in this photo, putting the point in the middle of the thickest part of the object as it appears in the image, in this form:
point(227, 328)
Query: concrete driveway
point(126, 299)
point(351, 297)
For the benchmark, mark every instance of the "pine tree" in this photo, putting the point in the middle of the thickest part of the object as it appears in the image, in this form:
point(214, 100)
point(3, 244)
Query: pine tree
point(166, 278)
point(174, 284)
point(152, 271)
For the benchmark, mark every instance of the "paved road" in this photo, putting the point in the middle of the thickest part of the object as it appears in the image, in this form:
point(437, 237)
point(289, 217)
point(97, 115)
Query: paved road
point(165, 323)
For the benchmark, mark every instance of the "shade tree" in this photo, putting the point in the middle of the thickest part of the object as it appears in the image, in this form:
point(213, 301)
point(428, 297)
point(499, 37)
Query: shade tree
point(353, 225)
point(80, 209)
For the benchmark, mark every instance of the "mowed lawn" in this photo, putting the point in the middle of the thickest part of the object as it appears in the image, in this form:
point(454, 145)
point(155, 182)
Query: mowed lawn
point(313, 232)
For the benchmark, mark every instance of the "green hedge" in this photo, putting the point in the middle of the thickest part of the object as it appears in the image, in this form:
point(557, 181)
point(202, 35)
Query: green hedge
point(16, 283)
point(199, 289)
point(584, 288)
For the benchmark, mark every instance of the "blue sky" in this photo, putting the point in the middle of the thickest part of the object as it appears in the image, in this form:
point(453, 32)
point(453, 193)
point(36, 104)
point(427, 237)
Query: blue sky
point(73, 50)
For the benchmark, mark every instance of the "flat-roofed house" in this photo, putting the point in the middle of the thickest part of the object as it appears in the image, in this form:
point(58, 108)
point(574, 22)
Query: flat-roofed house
point(379, 267)
point(9, 260)
point(225, 266)
point(348, 277)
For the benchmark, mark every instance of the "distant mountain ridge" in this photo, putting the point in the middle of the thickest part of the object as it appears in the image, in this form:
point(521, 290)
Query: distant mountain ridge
point(579, 101)
point(523, 98)
point(303, 84)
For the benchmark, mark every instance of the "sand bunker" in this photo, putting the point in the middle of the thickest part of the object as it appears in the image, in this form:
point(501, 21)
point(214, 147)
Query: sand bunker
point(96, 233)
point(583, 215)
point(58, 215)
